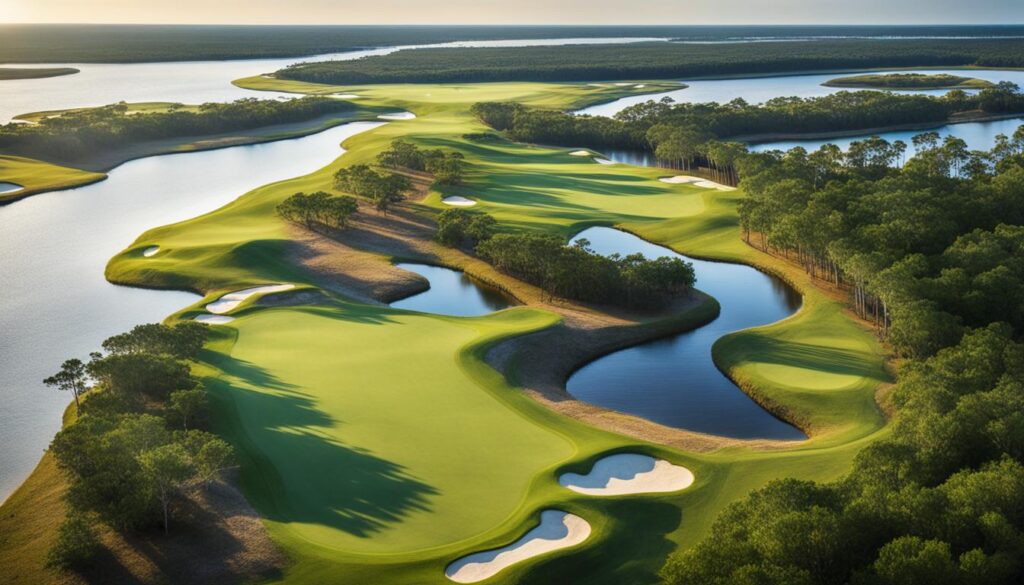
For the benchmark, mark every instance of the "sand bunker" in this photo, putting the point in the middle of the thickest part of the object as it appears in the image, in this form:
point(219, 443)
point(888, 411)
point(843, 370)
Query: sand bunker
point(629, 473)
point(397, 116)
point(228, 302)
point(345, 96)
point(697, 181)
point(580, 153)
point(621, 84)
point(603, 161)
point(214, 319)
point(150, 251)
point(557, 530)
point(10, 187)
point(458, 201)
point(639, 86)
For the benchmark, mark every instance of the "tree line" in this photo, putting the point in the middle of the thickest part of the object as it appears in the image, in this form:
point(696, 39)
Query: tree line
point(76, 134)
point(138, 441)
point(932, 251)
point(570, 271)
point(703, 135)
point(656, 60)
point(447, 166)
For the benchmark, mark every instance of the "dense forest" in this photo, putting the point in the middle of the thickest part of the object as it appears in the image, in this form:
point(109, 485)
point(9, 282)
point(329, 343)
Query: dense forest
point(105, 43)
point(687, 135)
point(78, 133)
point(655, 61)
point(570, 271)
point(138, 443)
point(932, 253)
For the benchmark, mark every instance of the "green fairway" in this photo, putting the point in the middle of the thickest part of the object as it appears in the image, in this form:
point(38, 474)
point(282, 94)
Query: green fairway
point(37, 176)
point(377, 443)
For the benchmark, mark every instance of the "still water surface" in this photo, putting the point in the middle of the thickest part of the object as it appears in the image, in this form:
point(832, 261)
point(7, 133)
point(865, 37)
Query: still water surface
point(452, 293)
point(674, 381)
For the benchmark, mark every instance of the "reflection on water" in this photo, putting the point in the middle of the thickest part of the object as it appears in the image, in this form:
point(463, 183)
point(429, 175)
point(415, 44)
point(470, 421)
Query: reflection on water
point(452, 293)
point(674, 381)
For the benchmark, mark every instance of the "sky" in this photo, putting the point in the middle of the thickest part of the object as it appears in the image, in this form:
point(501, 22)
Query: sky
point(516, 11)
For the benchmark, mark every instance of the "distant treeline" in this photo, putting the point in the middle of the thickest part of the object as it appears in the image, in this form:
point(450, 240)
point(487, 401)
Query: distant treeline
point(91, 43)
point(689, 135)
point(656, 60)
point(76, 134)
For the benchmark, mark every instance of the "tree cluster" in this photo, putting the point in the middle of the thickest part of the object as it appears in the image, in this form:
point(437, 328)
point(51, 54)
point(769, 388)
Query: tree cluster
point(577, 272)
point(383, 189)
point(447, 167)
point(76, 134)
point(460, 227)
point(933, 251)
point(137, 442)
point(318, 209)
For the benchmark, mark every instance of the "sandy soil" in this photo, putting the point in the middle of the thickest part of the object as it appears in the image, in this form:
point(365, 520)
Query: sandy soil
point(557, 530)
point(628, 473)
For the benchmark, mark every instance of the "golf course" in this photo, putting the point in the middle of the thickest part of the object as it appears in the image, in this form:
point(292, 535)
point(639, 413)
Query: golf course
point(383, 445)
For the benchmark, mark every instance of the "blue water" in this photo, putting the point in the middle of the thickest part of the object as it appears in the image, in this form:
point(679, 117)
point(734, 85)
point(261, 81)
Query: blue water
point(452, 293)
point(674, 381)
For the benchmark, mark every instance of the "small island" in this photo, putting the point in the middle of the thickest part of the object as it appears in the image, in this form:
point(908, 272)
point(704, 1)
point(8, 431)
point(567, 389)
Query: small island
point(909, 81)
point(7, 73)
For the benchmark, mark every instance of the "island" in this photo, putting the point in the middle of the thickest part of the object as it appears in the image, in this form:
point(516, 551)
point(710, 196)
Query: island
point(909, 81)
point(8, 73)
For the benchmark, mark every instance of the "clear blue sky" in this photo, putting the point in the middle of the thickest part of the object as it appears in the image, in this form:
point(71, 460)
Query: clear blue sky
point(517, 11)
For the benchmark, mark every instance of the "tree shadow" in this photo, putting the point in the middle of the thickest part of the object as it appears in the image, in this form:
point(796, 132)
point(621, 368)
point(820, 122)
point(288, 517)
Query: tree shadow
point(766, 349)
point(295, 471)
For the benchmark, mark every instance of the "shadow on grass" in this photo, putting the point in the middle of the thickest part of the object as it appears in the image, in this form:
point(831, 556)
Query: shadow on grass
point(831, 360)
point(293, 467)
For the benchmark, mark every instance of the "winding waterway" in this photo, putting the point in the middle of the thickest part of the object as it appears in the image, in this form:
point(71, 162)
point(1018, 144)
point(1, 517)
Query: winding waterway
point(674, 381)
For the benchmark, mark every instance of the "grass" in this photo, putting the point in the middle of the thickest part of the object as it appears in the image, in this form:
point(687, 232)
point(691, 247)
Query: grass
point(37, 176)
point(378, 444)
point(909, 81)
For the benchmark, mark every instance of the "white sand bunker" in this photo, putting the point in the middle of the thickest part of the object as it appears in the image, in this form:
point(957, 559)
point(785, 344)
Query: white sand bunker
point(639, 86)
point(214, 319)
point(151, 251)
point(10, 187)
point(629, 473)
point(557, 530)
point(603, 161)
point(228, 302)
point(397, 116)
point(581, 153)
point(458, 201)
point(696, 181)
point(344, 96)
point(622, 84)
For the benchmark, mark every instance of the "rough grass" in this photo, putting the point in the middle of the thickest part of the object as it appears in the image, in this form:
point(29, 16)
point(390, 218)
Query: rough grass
point(378, 444)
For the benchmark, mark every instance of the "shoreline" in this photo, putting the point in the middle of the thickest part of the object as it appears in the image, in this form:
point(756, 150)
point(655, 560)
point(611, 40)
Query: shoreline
point(867, 132)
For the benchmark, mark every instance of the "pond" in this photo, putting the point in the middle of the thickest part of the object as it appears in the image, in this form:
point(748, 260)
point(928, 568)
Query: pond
point(674, 381)
point(452, 293)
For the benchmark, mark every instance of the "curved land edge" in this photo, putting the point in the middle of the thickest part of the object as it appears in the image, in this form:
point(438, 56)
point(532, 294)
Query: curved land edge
point(959, 118)
point(909, 81)
point(36, 175)
point(8, 73)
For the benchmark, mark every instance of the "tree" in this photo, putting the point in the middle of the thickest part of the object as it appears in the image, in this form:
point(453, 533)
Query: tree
point(910, 560)
point(187, 404)
point(168, 468)
point(72, 377)
point(76, 543)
